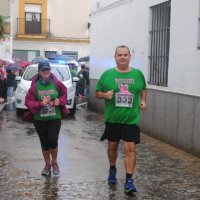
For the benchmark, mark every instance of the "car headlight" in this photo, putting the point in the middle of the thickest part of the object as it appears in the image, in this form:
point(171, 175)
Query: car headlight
point(21, 90)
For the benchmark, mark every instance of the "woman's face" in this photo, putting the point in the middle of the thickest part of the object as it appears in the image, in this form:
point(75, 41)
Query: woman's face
point(45, 73)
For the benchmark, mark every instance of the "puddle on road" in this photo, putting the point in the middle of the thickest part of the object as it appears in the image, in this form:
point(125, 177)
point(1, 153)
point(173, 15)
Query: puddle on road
point(30, 131)
point(3, 159)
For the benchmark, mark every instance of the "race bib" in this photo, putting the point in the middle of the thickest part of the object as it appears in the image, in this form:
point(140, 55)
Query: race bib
point(124, 100)
point(48, 110)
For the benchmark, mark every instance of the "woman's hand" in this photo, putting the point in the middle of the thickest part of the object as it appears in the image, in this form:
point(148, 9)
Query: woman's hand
point(45, 101)
point(56, 102)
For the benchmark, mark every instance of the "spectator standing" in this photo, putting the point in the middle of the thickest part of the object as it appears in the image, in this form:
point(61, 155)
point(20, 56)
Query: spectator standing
point(86, 81)
point(3, 83)
point(10, 83)
point(80, 84)
point(73, 70)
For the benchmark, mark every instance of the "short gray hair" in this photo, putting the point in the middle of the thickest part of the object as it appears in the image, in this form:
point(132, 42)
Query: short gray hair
point(122, 46)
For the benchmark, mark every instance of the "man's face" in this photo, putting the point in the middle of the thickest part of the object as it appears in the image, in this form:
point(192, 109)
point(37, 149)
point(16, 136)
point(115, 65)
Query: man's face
point(122, 57)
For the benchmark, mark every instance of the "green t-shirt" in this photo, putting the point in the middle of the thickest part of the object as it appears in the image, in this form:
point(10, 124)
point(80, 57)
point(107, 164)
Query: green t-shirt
point(124, 107)
point(49, 112)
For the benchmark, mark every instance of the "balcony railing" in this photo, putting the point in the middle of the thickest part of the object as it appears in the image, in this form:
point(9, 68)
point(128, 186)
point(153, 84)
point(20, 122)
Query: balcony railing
point(33, 27)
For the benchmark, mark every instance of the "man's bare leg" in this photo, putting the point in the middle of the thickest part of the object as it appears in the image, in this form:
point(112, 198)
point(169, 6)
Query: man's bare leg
point(112, 156)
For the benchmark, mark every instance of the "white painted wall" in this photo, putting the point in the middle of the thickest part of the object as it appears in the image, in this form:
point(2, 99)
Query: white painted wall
point(69, 18)
point(107, 32)
point(128, 23)
point(15, 16)
point(184, 66)
point(4, 8)
point(3, 54)
point(82, 49)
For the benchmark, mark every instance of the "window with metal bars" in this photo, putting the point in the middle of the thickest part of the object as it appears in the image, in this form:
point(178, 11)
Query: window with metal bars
point(159, 44)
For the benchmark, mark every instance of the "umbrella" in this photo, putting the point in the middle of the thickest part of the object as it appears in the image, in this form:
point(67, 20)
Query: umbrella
point(9, 61)
point(20, 62)
point(6, 61)
point(16, 60)
point(84, 59)
point(40, 59)
point(2, 62)
point(12, 67)
point(24, 64)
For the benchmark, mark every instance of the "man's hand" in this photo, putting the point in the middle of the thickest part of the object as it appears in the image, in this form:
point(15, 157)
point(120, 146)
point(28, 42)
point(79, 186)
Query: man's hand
point(143, 105)
point(105, 95)
point(109, 94)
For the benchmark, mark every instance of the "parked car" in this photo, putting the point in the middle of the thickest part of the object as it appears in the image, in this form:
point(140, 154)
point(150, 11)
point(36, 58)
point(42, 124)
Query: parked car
point(62, 72)
point(73, 64)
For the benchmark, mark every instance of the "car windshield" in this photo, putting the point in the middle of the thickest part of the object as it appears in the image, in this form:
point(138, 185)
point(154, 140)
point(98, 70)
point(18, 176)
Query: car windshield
point(62, 73)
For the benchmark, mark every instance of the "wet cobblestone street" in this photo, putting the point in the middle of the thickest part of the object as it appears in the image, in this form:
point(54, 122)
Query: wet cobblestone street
point(163, 172)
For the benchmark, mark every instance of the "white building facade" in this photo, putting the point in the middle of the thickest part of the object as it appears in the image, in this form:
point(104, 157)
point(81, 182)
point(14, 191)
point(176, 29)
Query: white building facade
point(44, 27)
point(6, 42)
point(164, 39)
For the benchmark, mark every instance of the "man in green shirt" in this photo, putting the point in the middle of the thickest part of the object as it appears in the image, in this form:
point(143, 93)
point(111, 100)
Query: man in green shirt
point(124, 91)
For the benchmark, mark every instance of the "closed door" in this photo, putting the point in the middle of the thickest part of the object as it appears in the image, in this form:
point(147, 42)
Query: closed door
point(33, 23)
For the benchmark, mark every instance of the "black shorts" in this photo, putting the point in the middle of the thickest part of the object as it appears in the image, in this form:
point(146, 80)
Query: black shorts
point(127, 132)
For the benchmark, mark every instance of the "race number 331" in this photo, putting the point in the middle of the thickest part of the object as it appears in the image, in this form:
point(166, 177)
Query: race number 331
point(124, 100)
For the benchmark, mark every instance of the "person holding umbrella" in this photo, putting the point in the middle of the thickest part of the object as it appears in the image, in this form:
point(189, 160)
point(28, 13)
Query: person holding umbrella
point(3, 82)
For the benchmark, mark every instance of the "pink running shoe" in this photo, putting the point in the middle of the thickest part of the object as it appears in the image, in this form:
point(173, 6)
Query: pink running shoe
point(47, 170)
point(56, 170)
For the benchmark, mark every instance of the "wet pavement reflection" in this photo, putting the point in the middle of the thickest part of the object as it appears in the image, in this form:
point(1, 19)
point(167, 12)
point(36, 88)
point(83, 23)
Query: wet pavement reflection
point(163, 172)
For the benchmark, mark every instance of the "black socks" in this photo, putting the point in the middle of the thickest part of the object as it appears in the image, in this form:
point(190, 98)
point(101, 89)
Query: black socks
point(113, 168)
point(128, 175)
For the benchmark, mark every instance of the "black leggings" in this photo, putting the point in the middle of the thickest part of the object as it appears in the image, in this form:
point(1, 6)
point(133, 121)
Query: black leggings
point(48, 132)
